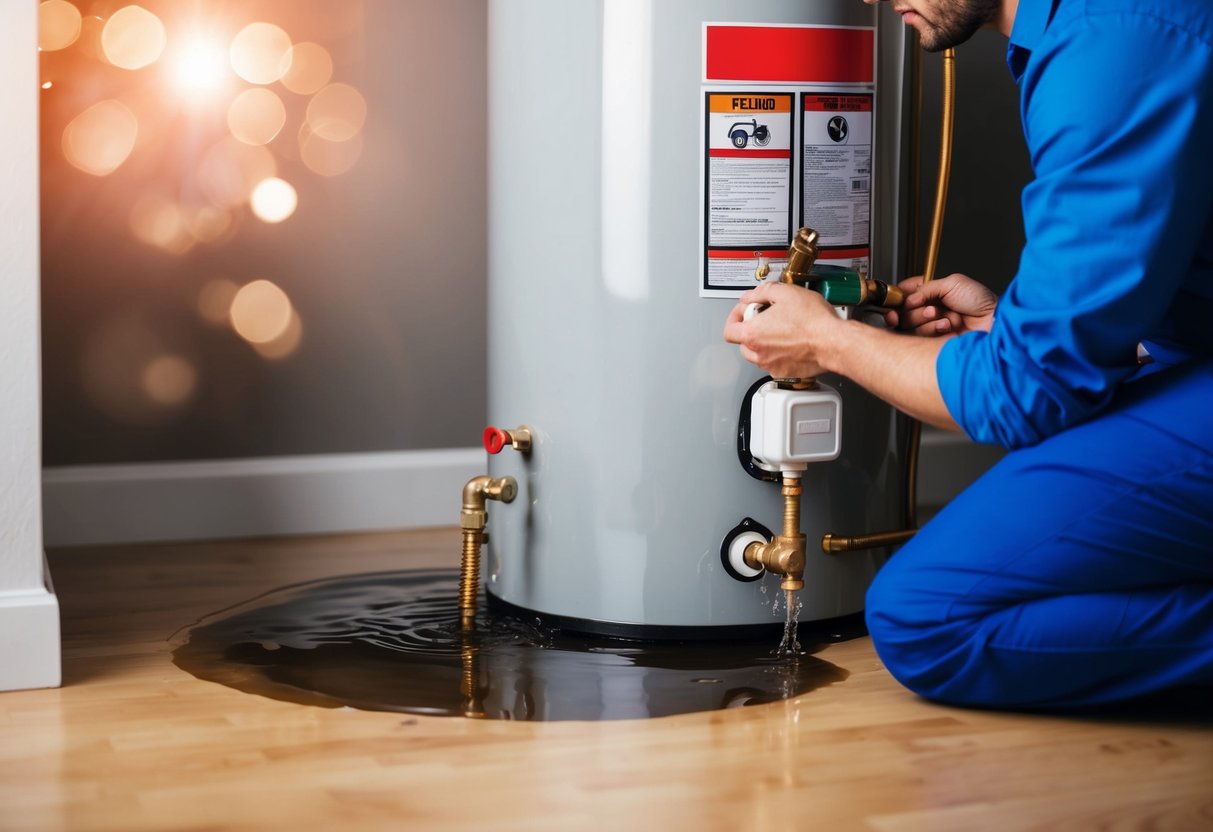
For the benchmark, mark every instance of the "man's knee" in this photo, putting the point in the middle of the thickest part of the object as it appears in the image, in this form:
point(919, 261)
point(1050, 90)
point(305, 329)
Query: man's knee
point(921, 645)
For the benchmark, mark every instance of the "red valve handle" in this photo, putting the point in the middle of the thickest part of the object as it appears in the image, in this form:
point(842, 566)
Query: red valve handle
point(495, 439)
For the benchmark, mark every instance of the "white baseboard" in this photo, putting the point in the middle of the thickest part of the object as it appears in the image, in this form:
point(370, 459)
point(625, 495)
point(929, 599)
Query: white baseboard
point(29, 638)
point(178, 501)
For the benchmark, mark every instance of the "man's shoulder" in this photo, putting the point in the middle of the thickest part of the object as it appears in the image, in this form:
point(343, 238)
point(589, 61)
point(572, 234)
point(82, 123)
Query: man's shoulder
point(1192, 16)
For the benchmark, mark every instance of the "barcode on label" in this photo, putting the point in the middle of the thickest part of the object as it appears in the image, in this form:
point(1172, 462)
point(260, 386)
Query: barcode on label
point(859, 186)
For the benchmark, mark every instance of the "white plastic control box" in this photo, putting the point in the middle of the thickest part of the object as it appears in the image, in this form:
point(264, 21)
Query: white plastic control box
point(791, 428)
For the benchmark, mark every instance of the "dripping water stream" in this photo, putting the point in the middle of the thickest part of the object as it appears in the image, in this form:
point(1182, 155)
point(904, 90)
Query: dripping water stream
point(789, 645)
point(391, 641)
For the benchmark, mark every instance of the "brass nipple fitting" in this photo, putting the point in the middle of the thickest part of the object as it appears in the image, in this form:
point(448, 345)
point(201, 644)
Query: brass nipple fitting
point(496, 439)
point(784, 555)
point(473, 519)
point(802, 254)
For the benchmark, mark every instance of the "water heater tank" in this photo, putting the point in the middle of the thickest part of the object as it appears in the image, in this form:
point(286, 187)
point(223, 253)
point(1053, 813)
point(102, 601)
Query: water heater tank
point(644, 157)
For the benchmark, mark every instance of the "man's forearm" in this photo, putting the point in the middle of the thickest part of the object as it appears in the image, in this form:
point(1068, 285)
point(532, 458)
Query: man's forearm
point(896, 367)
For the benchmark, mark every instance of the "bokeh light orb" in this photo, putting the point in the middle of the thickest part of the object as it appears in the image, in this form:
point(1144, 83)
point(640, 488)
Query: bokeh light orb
point(261, 53)
point(159, 221)
point(114, 365)
point(260, 312)
point(311, 68)
point(256, 116)
point(169, 380)
point(327, 158)
point(101, 138)
point(132, 38)
point(273, 200)
point(285, 344)
point(209, 223)
point(59, 25)
point(336, 113)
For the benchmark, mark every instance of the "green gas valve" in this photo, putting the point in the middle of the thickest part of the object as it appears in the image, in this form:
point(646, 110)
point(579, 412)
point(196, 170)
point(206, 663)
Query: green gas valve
point(842, 286)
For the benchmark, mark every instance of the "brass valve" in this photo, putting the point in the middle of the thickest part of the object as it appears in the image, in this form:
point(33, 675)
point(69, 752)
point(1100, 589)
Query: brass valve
point(802, 254)
point(785, 554)
point(495, 439)
point(840, 285)
point(472, 519)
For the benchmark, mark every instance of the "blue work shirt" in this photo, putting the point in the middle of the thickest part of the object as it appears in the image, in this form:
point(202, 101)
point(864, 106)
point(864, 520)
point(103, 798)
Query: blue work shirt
point(1116, 98)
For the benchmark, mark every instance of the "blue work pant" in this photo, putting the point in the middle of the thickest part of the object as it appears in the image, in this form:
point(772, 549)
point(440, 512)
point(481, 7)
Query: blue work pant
point(1075, 572)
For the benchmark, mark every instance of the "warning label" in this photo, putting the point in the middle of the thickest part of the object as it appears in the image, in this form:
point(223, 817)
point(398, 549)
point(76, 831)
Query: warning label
point(787, 143)
point(836, 186)
point(749, 182)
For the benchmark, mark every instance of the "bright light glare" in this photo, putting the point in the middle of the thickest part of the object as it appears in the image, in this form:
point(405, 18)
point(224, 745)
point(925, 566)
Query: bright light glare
point(200, 65)
point(274, 200)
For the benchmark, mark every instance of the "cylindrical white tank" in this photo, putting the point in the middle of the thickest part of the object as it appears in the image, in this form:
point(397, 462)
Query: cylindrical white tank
point(602, 341)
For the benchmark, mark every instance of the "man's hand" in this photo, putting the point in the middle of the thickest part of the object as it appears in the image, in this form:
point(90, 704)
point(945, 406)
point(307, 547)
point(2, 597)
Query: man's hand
point(800, 336)
point(790, 338)
point(948, 306)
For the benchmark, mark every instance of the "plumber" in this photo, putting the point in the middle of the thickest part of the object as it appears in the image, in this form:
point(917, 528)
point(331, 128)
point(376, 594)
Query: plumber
point(1079, 570)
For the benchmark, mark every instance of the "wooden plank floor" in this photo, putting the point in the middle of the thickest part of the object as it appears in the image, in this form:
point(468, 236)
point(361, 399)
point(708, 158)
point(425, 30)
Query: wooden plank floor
point(133, 743)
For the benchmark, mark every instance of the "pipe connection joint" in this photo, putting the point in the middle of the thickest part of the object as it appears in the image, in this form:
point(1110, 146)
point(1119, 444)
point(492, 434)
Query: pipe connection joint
point(749, 550)
point(783, 556)
point(479, 490)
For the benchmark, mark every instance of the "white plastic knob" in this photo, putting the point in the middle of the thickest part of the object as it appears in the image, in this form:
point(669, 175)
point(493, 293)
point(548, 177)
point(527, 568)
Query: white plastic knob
point(737, 554)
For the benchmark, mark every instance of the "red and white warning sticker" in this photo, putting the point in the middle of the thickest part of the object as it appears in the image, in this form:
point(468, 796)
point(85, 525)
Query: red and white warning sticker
point(749, 182)
point(787, 142)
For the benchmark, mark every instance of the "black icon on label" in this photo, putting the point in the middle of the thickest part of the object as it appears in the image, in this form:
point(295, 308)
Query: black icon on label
point(838, 129)
point(742, 131)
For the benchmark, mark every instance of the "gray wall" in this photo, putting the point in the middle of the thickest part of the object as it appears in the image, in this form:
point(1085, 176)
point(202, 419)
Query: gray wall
point(385, 264)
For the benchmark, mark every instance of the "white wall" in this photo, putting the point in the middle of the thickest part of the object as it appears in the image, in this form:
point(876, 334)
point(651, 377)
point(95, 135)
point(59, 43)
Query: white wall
point(29, 614)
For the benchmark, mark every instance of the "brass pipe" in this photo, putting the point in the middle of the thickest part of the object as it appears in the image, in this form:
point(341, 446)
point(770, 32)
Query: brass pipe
point(802, 254)
point(785, 554)
point(833, 545)
point(947, 119)
point(469, 681)
point(469, 577)
point(914, 443)
point(914, 218)
point(472, 519)
point(830, 542)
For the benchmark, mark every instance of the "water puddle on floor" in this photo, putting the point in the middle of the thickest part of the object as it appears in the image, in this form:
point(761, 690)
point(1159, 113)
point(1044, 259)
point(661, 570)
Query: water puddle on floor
point(390, 641)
